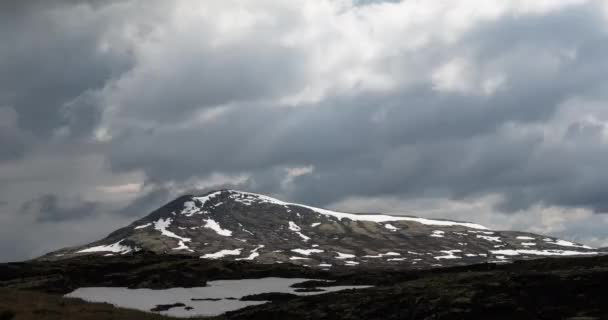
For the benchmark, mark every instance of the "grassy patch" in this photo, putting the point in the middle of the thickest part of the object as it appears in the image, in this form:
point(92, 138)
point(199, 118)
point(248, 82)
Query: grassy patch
point(29, 305)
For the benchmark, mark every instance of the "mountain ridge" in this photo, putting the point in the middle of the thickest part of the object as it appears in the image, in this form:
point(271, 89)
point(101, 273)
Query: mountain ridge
point(237, 225)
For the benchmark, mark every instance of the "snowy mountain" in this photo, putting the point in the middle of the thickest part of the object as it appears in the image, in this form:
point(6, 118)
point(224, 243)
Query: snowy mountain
point(235, 225)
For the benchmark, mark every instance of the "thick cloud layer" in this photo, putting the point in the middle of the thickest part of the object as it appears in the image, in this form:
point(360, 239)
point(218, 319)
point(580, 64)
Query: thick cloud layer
point(108, 110)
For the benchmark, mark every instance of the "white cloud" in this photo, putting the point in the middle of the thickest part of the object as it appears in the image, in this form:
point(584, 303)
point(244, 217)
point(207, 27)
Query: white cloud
point(122, 188)
point(340, 47)
point(294, 172)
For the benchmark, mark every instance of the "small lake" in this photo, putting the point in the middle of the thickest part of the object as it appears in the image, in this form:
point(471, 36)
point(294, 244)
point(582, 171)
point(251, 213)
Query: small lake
point(227, 291)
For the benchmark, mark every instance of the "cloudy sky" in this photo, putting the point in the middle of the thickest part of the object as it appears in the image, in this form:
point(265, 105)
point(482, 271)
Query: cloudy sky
point(491, 111)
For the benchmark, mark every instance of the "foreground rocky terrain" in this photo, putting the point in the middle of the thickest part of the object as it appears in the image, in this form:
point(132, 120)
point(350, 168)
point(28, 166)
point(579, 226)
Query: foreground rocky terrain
point(541, 289)
point(240, 226)
point(551, 288)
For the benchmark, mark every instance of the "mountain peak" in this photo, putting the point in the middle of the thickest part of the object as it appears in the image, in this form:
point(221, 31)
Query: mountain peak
point(238, 225)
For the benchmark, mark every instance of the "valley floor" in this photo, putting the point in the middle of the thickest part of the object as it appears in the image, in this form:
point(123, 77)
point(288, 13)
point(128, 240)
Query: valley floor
point(557, 288)
point(32, 305)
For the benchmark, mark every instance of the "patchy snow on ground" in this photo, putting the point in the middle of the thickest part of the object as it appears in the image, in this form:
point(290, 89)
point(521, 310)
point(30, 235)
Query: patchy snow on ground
point(222, 253)
point(203, 200)
point(298, 258)
point(213, 225)
point(488, 238)
point(307, 252)
point(344, 255)
point(391, 227)
point(525, 238)
point(162, 225)
point(482, 232)
point(143, 226)
point(315, 224)
point(511, 252)
point(182, 246)
point(381, 255)
point(190, 208)
point(565, 243)
point(449, 255)
point(253, 253)
point(146, 299)
point(114, 247)
point(438, 234)
point(396, 259)
point(295, 228)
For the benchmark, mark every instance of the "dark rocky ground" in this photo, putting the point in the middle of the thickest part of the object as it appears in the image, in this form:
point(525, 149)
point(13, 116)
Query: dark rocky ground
point(553, 288)
point(541, 289)
point(34, 305)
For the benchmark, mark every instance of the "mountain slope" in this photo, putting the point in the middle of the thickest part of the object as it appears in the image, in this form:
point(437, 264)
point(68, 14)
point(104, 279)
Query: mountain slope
point(236, 225)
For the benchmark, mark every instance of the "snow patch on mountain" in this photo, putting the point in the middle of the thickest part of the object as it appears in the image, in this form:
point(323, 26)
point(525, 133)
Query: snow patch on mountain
point(298, 258)
point(203, 200)
point(182, 246)
point(396, 259)
point(162, 225)
point(253, 253)
point(143, 226)
point(307, 252)
point(222, 253)
point(488, 238)
point(295, 228)
point(391, 227)
point(449, 255)
point(438, 234)
point(511, 252)
point(382, 255)
point(525, 238)
point(190, 208)
point(344, 255)
point(565, 243)
point(115, 247)
point(213, 225)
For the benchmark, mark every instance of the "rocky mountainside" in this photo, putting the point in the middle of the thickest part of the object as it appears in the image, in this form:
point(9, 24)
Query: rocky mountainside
point(235, 225)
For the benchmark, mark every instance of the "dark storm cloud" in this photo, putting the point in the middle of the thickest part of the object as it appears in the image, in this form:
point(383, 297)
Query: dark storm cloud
point(208, 77)
point(184, 94)
point(146, 203)
point(13, 142)
point(50, 60)
point(52, 208)
point(442, 143)
point(55, 56)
